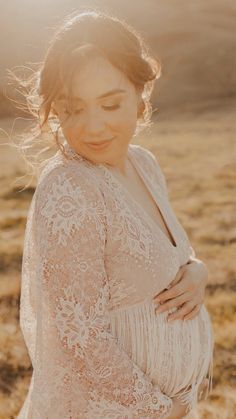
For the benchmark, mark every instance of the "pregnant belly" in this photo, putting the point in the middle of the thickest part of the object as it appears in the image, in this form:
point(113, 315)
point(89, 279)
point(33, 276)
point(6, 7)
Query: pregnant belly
point(177, 356)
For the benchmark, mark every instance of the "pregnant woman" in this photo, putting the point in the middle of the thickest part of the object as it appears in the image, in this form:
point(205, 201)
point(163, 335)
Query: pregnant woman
point(103, 248)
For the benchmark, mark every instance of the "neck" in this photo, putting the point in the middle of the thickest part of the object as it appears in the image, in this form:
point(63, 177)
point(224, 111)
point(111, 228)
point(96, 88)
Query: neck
point(123, 169)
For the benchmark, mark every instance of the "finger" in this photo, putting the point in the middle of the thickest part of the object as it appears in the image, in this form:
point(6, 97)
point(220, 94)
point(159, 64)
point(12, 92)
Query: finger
point(193, 313)
point(173, 292)
point(203, 386)
point(174, 302)
point(177, 278)
point(181, 312)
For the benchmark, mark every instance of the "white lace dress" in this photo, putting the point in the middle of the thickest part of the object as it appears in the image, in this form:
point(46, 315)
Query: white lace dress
point(93, 261)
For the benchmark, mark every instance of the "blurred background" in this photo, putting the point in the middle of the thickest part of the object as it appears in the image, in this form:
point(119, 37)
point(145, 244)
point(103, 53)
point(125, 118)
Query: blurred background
point(193, 137)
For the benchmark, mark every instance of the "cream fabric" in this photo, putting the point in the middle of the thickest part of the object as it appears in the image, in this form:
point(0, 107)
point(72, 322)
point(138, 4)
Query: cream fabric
point(93, 261)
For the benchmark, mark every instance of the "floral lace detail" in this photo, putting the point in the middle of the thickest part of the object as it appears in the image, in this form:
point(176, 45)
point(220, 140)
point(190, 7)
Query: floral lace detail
point(90, 256)
point(59, 211)
point(136, 238)
point(70, 238)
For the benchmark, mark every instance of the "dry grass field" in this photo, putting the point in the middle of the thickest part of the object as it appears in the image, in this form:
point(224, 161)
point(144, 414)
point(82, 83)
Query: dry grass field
point(197, 151)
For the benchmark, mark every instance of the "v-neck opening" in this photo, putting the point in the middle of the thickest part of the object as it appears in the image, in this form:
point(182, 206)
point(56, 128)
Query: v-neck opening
point(141, 176)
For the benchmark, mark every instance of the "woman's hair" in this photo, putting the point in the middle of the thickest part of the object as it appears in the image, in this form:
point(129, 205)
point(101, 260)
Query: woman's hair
point(84, 35)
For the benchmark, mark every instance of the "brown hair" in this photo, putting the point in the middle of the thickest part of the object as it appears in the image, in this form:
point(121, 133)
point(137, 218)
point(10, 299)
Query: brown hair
point(82, 35)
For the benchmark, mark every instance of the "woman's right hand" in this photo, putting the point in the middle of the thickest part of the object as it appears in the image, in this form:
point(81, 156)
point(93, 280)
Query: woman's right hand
point(179, 410)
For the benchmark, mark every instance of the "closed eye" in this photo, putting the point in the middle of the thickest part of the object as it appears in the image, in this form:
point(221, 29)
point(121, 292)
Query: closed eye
point(75, 112)
point(111, 108)
point(78, 111)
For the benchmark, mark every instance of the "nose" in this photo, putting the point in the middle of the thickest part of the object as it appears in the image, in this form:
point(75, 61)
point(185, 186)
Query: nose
point(95, 124)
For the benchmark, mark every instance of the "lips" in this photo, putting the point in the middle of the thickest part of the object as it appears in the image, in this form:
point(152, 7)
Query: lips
point(100, 145)
point(101, 142)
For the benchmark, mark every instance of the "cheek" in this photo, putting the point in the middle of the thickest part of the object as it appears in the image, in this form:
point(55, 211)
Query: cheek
point(71, 136)
point(69, 124)
point(71, 132)
point(125, 121)
point(122, 122)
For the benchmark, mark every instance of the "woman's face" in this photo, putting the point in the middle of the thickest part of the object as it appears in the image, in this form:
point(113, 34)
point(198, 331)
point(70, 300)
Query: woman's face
point(105, 106)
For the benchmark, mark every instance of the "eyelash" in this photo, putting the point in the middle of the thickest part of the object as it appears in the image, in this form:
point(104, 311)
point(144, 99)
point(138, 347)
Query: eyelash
point(107, 108)
point(111, 108)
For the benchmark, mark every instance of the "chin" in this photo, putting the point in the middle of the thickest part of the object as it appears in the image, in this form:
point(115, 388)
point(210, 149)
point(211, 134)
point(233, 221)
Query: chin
point(95, 158)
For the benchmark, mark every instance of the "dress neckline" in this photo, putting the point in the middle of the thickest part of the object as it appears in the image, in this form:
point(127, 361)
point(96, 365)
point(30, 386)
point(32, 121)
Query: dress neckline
point(72, 154)
point(146, 184)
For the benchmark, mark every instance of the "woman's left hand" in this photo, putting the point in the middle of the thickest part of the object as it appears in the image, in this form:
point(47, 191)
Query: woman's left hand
point(187, 291)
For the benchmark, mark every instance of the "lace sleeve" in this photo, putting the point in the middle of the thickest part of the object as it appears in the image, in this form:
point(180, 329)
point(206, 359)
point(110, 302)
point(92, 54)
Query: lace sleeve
point(163, 183)
point(151, 164)
point(71, 238)
point(159, 172)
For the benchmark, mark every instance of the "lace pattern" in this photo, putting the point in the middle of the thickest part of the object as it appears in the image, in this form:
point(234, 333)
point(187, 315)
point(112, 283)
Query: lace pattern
point(89, 253)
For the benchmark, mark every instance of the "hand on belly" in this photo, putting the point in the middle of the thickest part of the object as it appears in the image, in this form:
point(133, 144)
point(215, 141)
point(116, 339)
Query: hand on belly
point(186, 292)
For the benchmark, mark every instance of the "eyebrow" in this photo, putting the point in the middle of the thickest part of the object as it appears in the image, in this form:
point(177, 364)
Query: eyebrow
point(111, 92)
point(107, 94)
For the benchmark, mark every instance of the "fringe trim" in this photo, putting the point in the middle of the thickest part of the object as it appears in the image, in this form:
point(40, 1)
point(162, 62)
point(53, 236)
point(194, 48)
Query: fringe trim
point(149, 340)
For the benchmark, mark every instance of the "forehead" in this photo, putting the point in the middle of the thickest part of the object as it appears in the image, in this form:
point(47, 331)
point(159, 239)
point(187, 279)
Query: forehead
point(95, 77)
